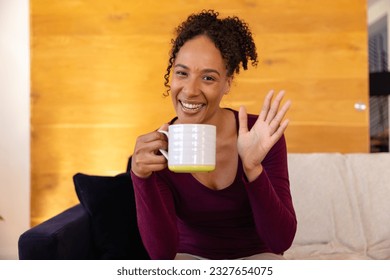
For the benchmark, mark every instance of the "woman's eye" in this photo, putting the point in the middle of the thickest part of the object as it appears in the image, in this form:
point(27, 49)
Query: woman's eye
point(181, 73)
point(208, 78)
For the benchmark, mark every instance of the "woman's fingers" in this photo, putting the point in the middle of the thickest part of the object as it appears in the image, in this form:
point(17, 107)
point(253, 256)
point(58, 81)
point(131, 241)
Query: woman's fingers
point(266, 105)
point(150, 159)
point(146, 157)
point(280, 130)
point(270, 112)
point(151, 137)
point(243, 120)
point(273, 110)
point(276, 121)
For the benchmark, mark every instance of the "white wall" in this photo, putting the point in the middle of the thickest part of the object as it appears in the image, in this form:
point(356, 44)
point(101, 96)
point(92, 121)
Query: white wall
point(14, 124)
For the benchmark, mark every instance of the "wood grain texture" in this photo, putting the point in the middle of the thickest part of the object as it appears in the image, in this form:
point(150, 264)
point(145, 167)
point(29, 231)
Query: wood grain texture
point(97, 72)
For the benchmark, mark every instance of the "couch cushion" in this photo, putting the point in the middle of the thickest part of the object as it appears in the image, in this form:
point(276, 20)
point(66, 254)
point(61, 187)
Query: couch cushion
point(370, 176)
point(111, 205)
point(327, 251)
point(326, 205)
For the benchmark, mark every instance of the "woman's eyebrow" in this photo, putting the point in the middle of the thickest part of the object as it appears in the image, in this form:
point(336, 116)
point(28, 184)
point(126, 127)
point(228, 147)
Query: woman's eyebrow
point(211, 71)
point(207, 70)
point(181, 65)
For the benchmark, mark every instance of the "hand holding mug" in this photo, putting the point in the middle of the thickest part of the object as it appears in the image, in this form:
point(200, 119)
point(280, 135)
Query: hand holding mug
point(146, 158)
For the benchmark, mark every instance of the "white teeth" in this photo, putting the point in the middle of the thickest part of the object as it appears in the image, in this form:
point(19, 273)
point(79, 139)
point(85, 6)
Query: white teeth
point(190, 106)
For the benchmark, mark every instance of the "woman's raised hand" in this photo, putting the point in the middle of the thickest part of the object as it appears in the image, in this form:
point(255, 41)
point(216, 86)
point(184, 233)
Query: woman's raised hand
point(146, 157)
point(253, 145)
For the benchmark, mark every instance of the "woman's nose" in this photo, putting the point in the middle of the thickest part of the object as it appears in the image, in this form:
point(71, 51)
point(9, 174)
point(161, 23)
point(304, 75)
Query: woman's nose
point(191, 87)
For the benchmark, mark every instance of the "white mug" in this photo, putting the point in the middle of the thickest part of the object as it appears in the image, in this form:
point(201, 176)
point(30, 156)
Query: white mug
point(191, 147)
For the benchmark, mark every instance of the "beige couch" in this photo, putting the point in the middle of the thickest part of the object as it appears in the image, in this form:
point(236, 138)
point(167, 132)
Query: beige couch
point(342, 202)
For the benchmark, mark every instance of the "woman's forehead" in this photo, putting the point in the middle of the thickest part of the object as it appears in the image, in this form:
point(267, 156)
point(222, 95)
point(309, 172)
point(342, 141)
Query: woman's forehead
point(200, 51)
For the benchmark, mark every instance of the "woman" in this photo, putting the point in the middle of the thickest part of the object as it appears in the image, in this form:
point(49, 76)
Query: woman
point(242, 209)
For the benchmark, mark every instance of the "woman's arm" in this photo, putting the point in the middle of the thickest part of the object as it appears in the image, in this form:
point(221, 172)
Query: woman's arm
point(271, 201)
point(156, 217)
point(155, 207)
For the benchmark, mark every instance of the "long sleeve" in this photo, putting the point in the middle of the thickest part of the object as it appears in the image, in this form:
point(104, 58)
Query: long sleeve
point(156, 217)
point(271, 201)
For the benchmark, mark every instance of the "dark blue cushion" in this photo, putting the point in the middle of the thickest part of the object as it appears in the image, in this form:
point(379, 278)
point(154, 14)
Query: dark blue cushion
point(110, 203)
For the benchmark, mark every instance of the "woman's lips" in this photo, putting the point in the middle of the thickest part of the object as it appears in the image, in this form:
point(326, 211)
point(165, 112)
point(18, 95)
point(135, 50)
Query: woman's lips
point(191, 107)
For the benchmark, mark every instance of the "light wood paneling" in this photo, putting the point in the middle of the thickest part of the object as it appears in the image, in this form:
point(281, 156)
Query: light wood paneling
point(97, 80)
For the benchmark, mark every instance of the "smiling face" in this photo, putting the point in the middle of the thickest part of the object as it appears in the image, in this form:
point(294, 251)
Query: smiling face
point(199, 81)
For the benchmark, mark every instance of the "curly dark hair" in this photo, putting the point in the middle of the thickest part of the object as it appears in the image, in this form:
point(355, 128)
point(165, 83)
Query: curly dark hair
point(231, 36)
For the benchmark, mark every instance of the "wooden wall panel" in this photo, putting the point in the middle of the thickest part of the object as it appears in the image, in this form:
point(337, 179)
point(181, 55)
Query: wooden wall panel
point(97, 80)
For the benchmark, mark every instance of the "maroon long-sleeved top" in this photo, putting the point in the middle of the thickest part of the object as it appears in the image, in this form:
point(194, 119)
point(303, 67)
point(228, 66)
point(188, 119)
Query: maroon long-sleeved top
point(177, 214)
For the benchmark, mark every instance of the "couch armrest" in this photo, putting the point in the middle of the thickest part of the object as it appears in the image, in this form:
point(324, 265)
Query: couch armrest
point(65, 236)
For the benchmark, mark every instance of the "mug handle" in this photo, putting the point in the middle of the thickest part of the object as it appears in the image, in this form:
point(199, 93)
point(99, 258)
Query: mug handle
point(164, 152)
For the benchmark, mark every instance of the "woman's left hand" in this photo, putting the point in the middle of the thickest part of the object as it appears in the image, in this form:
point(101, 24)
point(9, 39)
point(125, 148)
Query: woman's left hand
point(253, 145)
